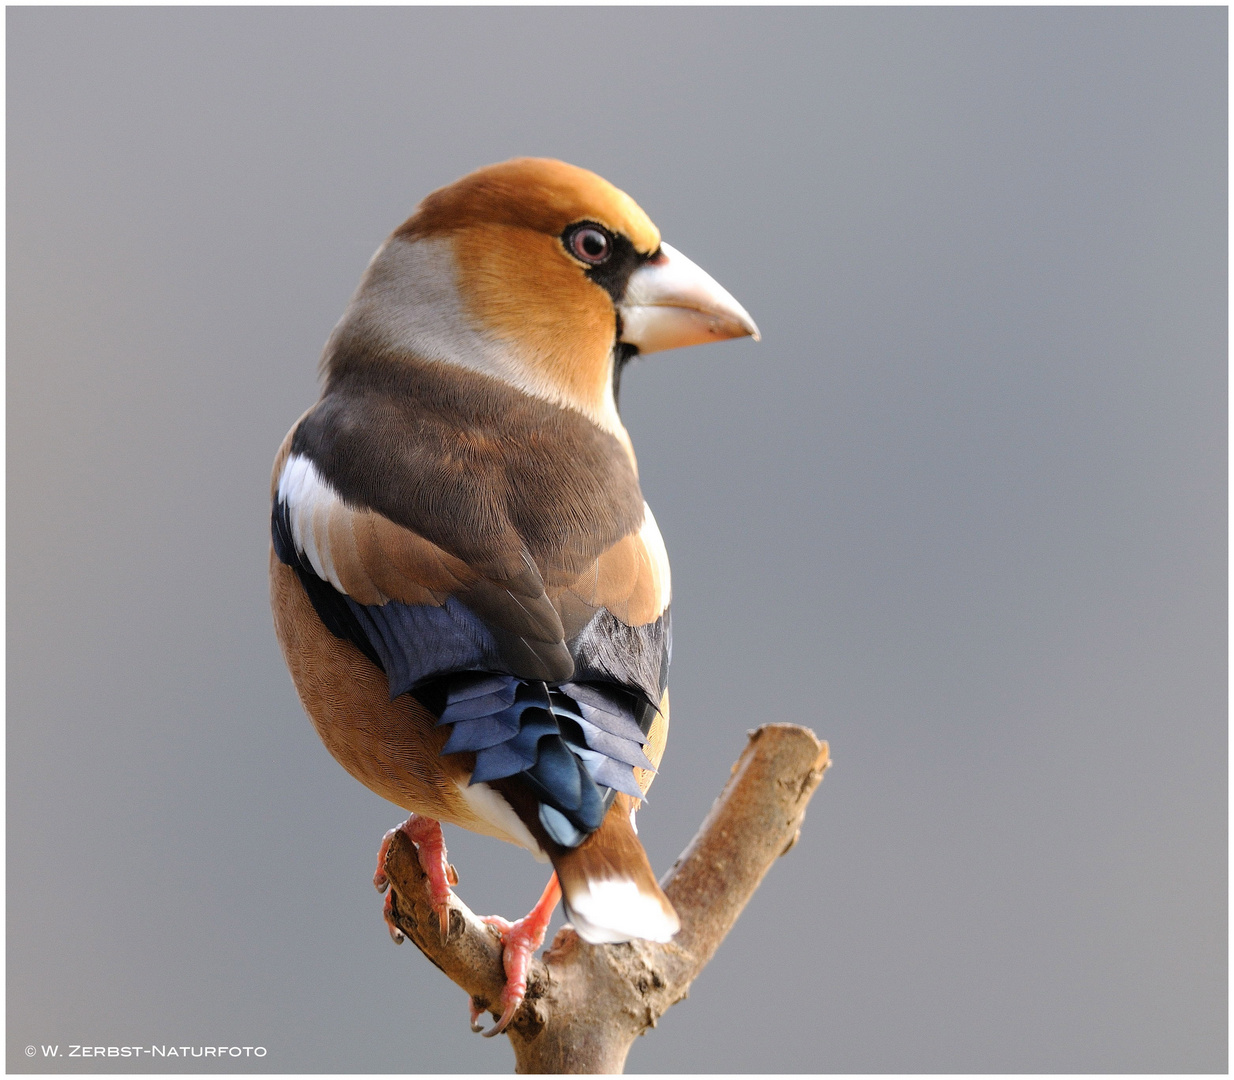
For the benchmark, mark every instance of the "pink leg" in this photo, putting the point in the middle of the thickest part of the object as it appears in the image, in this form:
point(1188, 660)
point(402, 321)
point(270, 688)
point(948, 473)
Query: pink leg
point(521, 940)
point(425, 833)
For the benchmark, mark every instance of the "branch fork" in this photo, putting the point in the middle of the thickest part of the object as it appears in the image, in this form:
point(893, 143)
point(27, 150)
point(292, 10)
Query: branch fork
point(586, 1004)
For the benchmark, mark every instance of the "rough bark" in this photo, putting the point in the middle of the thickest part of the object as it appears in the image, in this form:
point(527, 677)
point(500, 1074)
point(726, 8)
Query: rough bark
point(586, 1004)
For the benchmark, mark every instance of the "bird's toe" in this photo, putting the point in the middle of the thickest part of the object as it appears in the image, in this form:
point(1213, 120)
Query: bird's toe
point(425, 834)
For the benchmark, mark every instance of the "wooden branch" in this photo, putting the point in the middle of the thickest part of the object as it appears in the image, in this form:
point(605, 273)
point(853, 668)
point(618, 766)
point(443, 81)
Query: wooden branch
point(586, 1004)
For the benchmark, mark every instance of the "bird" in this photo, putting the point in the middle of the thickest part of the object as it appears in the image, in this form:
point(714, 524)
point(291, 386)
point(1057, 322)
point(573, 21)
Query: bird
point(470, 592)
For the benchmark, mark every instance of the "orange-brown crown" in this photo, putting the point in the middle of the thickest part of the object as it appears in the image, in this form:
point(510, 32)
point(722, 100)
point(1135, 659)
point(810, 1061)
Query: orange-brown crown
point(532, 193)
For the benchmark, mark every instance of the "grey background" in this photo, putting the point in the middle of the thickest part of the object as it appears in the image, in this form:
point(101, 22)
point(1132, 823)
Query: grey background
point(962, 512)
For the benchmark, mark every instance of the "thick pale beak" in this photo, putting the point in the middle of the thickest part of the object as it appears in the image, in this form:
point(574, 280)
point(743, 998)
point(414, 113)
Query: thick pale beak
point(671, 302)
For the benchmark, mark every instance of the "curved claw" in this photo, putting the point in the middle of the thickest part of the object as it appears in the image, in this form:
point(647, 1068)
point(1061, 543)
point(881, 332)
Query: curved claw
point(501, 1025)
point(519, 941)
point(476, 1013)
point(506, 1017)
point(387, 912)
point(380, 882)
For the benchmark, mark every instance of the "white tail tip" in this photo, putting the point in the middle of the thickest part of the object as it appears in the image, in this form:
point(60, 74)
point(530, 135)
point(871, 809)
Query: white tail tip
point(615, 910)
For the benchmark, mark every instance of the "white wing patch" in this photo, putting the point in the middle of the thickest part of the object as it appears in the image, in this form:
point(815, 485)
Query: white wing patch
point(310, 503)
point(653, 542)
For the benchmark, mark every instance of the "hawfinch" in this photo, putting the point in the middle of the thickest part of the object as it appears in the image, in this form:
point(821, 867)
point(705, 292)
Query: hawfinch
point(469, 590)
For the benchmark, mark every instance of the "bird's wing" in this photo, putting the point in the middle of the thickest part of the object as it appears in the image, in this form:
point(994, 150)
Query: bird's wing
point(444, 523)
point(412, 607)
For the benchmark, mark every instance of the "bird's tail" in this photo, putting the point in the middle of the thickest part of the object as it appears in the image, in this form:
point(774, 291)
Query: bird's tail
point(609, 891)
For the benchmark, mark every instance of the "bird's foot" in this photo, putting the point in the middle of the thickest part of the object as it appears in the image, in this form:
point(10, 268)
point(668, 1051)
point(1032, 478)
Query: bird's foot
point(520, 940)
point(425, 833)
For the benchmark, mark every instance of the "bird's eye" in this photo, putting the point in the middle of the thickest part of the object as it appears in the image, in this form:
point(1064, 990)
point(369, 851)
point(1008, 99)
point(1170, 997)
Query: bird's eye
point(590, 244)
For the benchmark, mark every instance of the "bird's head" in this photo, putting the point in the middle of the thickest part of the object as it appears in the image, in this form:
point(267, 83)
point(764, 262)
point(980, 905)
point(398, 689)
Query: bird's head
point(542, 274)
